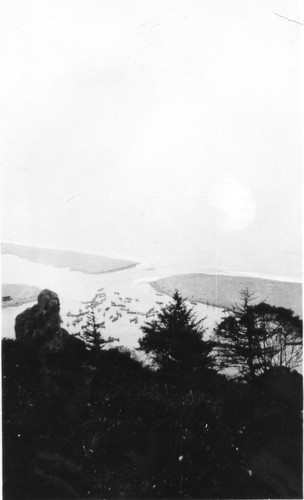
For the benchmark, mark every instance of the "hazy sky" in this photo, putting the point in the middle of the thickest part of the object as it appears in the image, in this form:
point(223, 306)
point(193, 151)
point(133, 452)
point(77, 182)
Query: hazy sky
point(154, 128)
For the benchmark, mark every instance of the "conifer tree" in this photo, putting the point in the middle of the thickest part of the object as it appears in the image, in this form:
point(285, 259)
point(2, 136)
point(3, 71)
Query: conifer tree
point(280, 334)
point(237, 344)
point(91, 330)
point(91, 327)
point(174, 339)
point(253, 338)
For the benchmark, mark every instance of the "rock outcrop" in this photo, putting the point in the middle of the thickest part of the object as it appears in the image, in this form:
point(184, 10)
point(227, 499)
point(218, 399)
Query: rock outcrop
point(42, 322)
point(62, 358)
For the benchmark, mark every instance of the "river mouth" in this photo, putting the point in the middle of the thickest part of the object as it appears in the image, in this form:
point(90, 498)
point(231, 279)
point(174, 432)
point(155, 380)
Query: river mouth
point(130, 287)
point(132, 283)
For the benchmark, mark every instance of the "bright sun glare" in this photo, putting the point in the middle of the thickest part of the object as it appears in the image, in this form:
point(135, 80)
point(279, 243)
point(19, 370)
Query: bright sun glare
point(234, 203)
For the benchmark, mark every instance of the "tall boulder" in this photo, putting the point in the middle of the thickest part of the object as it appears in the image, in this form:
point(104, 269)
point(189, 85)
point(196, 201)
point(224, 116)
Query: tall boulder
point(62, 358)
point(42, 322)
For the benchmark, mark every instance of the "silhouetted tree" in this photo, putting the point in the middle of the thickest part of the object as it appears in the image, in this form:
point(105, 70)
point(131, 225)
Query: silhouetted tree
point(174, 339)
point(280, 333)
point(91, 330)
point(237, 340)
point(83, 425)
point(252, 338)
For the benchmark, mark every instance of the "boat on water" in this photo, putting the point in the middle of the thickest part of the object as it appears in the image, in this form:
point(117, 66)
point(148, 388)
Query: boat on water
point(6, 298)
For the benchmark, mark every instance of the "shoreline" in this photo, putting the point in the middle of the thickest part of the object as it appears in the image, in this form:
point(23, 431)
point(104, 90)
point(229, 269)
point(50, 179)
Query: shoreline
point(237, 274)
point(67, 259)
point(223, 290)
point(158, 289)
point(20, 294)
point(95, 272)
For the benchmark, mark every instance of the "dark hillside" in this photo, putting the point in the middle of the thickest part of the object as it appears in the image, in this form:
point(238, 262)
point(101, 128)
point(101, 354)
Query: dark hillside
point(81, 423)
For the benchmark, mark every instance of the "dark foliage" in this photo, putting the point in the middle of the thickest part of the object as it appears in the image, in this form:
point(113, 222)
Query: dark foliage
point(253, 338)
point(85, 424)
point(175, 340)
point(91, 330)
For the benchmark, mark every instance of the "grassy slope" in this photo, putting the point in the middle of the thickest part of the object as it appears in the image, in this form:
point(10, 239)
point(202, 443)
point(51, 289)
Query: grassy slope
point(223, 291)
point(86, 263)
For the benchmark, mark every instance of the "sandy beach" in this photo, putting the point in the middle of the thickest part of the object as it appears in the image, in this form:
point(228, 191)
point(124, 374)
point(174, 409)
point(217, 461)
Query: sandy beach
point(76, 261)
point(224, 291)
point(129, 287)
point(137, 287)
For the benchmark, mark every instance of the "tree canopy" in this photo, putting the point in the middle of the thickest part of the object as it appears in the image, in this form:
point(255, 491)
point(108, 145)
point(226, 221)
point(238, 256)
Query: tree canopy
point(91, 330)
point(83, 423)
point(175, 338)
point(253, 338)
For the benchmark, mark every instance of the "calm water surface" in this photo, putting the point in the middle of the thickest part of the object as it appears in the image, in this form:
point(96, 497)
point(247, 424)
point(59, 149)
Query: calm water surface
point(74, 287)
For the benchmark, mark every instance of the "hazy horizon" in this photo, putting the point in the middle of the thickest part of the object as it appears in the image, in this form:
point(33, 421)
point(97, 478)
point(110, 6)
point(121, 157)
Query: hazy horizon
point(171, 266)
point(154, 130)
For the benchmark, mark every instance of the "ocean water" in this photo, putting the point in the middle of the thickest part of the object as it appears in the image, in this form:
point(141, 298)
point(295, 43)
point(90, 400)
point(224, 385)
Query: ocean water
point(73, 287)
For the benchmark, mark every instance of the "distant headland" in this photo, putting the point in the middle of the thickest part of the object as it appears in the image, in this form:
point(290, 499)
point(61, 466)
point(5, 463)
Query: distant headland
point(76, 261)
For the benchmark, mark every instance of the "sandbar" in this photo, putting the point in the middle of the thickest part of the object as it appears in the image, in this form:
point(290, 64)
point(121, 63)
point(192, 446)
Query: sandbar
point(76, 261)
point(224, 290)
